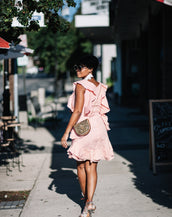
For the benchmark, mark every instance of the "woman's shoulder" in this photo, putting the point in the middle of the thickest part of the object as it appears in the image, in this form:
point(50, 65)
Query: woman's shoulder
point(104, 86)
point(91, 86)
point(86, 84)
point(80, 82)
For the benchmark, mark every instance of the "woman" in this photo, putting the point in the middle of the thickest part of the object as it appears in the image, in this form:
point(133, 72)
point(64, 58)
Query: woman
point(88, 101)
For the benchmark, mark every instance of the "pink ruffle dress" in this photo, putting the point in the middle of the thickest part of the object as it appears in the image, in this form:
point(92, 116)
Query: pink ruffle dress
point(94, 146)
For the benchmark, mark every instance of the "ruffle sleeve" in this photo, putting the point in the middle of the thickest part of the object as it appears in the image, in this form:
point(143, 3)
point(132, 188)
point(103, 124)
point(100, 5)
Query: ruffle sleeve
point(87, 103)
point(71, 100)
point(89, 108)
point(104, 103)
point(90, 90)
point(104, 106)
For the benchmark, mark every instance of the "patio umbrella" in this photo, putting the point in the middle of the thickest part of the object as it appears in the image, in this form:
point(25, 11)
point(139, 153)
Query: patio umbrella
point(23, 50)
point(10, 54)
point(8, 51)
point(13, 52)
point(4, 44)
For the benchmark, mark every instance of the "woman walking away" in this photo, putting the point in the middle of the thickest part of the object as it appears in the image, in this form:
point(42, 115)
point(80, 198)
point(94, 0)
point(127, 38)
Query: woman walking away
point(88, 102)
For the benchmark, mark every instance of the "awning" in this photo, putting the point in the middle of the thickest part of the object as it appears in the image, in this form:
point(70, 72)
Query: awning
point(96, 28)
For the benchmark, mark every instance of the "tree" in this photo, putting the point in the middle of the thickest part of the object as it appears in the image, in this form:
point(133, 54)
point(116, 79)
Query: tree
point(61, 49)
point(24, 9)
point(52, 48)
point(53, 51)
point(57, 52)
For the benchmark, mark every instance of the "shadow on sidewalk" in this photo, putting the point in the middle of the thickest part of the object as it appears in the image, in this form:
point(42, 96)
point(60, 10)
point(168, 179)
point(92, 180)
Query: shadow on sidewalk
point(130, 138)
point(64, 178)
point(158, 187)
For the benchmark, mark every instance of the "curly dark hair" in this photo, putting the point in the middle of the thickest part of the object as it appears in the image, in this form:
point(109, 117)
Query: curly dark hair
point(90, 62)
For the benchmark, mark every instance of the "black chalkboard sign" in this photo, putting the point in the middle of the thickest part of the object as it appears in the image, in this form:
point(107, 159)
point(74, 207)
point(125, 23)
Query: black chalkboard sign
point(160, 116)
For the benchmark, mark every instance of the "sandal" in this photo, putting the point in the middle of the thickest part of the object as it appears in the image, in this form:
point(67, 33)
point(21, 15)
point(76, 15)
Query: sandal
point(88, 209)
point(85, 213)
point(91, 206)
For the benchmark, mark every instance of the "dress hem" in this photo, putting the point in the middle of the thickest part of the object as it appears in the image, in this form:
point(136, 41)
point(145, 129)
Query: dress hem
point(77, 158)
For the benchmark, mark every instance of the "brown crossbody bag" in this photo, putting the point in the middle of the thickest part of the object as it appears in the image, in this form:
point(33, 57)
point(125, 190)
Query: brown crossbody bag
point(83, 128)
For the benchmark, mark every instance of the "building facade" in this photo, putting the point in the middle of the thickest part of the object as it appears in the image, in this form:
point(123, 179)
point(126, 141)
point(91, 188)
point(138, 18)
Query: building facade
point(94, 22)
point(140, 36)
point(144, 45)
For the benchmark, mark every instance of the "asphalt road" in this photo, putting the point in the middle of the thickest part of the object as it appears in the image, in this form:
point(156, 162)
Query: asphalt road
point(31, 84)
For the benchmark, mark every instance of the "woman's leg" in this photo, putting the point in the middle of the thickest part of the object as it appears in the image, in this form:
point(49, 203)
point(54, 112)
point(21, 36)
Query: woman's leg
point(82, 176)
point(91, 176)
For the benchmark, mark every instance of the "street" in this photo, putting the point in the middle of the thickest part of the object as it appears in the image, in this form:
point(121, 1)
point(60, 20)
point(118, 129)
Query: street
point(31, 84)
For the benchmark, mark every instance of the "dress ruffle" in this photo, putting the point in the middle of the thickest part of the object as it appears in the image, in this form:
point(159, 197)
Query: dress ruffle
point(90, 96)
point(89, 90)
point(96, 145)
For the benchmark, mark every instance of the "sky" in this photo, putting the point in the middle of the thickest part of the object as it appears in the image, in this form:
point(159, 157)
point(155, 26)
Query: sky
point(71, 11)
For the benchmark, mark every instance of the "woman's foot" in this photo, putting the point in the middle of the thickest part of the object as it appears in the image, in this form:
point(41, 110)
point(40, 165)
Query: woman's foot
point(85, 212)
point(90, 206)
point(88, 209)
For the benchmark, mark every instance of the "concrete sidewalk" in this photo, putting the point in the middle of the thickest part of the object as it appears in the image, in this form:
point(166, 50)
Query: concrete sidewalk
point(126, 186)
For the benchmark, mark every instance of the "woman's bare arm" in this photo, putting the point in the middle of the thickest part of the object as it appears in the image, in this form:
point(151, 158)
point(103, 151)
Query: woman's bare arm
point(79, 103)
